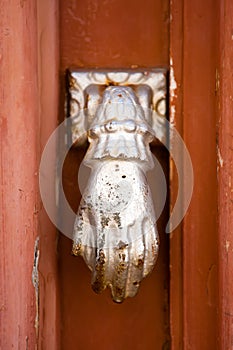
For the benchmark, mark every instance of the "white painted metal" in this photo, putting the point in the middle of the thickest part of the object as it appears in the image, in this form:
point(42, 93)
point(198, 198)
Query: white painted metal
point(115, 228)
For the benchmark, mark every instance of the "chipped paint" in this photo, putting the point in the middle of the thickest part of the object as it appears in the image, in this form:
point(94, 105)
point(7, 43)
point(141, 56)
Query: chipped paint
point(227, 245)
point(217, 80)
point(173, 95)
point(220, 159)
point(27, 339)
point(35, 281)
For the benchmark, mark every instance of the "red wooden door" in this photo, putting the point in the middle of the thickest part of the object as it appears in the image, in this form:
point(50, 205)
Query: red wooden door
point(45, 295)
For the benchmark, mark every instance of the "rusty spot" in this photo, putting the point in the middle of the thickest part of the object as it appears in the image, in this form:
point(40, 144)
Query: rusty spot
point(101, 259)
point(72, 82)
point(119, 294)
point(76, 249)
point(122, 245)
point(153, 249)
point(140, 263)
point(104, 221)
point(122, 256)
point(117, 219)
point(121, 267)
point(99, 284)
point(109, 82)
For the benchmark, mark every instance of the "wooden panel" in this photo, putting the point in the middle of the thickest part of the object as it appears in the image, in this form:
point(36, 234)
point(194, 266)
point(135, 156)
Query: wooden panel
point(48, 69)
point(225, 166)
point(200, 257)
point(112, 34)
point(29, 95)
point(19, 202)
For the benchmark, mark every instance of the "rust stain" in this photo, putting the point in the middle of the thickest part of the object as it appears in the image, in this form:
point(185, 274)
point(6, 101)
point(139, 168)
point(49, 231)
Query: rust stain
point(104, 221)
point(153, 249)
point(117, 218)
point(119, 295)
point(140, 263)
point(76, 249)
point(121, 267)
point(122, 245)
point(99, 284)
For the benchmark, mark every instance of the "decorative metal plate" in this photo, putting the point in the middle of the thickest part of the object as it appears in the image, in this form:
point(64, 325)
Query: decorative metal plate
point(85, 91)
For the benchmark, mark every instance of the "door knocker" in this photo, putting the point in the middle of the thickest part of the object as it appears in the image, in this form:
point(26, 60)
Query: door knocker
point(115, 228)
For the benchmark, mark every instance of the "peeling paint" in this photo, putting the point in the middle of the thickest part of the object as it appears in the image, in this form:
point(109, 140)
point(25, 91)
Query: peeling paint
point(35, 281)
point(217, 80)
point(173, 95)
point(172, 114)
point(227, 245)
point(171, 13)
point(27, 342)
point(220, 159)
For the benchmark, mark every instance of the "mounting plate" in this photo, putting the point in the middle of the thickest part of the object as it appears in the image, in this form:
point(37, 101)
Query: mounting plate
point(85, 89)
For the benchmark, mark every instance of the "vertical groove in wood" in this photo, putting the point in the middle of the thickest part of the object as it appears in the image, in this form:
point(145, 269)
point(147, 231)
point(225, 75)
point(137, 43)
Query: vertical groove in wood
point(176, 119)
point(48, 67)
point(225, 172)
point(19, 202)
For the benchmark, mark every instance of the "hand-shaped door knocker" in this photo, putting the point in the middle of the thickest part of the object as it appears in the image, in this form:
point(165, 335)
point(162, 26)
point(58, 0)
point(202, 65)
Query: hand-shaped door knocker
point(115, 228)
